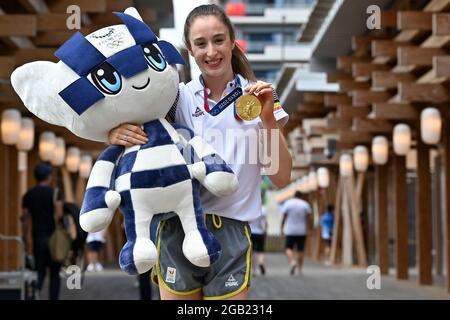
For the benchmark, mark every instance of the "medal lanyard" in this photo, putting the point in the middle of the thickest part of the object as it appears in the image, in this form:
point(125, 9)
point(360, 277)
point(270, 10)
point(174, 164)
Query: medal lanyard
point(237, 82)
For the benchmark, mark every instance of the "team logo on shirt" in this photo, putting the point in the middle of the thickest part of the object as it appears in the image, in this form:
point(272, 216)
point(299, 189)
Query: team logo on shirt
point(198, 112)
point(171, 275)
point(231, 282)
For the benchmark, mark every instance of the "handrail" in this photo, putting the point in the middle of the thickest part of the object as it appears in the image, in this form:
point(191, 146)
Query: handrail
point(22, 268)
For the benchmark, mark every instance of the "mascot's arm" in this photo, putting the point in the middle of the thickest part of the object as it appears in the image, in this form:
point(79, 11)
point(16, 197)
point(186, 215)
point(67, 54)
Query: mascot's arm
point(211, 171)
point(100, 202)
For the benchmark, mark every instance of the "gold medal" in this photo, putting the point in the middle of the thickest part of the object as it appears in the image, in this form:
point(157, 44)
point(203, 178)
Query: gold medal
point(248, 107)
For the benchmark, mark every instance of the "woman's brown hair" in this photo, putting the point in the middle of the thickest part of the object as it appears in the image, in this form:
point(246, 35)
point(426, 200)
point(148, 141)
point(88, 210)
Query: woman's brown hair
point(239, 61)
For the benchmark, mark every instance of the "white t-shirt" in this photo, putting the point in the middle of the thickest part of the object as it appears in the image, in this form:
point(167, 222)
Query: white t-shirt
point(257, 226)
point(296, 211)
point(96, 236)
point(235, 141)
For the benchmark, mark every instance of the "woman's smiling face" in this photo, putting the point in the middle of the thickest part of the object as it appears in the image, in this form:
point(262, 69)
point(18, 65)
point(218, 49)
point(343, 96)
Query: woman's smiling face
point(211, 46)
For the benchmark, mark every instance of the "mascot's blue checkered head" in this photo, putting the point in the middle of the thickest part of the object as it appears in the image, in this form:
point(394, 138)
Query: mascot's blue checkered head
point(124, 73)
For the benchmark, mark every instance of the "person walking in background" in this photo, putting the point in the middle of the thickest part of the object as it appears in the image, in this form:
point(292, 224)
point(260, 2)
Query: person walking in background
point(295, 224)
point(326, 225)
point(258, 235)
point(43, 204)
point(95, 242)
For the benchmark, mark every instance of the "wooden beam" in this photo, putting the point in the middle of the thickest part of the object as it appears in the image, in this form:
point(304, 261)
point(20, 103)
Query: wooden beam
point(345, 63)
point(6, 66)
point(417, 56)
point(17, 25)
point(311, 108)
point(350, 85)
point(441, 24)
point(8, 95)
point(386, 48)
point(437, 6)
point(34, 6)
point(333, 99)
point(23, 56)
point(349, 111)
point(381, 216)
point(414, 20)
point(86, 6)
point(318, 131)
point(423, 92)
point(446, 195)
point(400, 217)
point(362, 43)
point(371, 125)
point(313, 97)
point(57, 38)
point(52, 22)
point(352, 137)
point(423, 214)
point(390, 80)
point(338, 76)
point(339, 123)
point(390, 111)
point(409, 35)
point(366, 97)
point(365, 69)
point(441, 65)
point(436, 42)
point(344, 146)
point(118, 5)
point(388, 18)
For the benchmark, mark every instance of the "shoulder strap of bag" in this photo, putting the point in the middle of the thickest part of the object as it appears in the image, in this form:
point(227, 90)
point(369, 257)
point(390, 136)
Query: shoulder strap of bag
point(55, 197)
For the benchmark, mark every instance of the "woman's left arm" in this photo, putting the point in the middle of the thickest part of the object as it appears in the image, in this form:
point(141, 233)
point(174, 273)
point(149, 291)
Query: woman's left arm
point(263, 91)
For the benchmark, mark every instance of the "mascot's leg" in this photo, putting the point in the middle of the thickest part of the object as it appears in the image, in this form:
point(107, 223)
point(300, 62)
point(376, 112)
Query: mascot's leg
point(139, 254)
point(100, 202)
point(200, 247)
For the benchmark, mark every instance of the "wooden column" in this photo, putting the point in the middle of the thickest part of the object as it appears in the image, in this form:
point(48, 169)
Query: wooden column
point(446, 195)
point(80, 189)
point(4, 199)
point(381, 217)
point(356, 222)
point(67, 183)
point(337, 224)
point(347, 230)
point(401, 217)
point(423, 214)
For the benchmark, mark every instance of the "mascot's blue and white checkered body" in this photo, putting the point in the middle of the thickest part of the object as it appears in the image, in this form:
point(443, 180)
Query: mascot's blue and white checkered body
point(119, 74)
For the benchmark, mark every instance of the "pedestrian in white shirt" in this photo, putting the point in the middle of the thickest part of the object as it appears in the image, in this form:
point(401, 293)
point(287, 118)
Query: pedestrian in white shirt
point(95, 241)
point(295, 224)
point(259, 230)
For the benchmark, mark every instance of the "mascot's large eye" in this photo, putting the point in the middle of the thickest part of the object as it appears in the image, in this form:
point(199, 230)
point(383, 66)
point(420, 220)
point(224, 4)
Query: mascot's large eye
point(107, 79)
point(154, 57)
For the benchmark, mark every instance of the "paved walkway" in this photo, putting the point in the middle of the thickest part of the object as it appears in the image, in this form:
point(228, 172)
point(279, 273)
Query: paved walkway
point(316, 282)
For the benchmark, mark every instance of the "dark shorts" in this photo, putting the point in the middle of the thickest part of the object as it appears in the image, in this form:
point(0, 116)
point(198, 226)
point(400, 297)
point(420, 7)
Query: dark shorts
point(295, 241)
point(327, 242)
point(95, 246)
point(258, 241)
point(227, 277)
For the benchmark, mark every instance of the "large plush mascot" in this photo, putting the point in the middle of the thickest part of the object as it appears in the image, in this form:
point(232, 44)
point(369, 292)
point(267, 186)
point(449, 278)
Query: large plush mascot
point(124, 73)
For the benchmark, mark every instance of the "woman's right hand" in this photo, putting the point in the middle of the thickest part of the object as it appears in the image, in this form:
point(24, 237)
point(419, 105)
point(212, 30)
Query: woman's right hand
point(127, 135)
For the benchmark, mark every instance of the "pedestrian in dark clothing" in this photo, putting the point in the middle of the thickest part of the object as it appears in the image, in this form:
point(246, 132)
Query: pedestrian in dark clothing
point(42, 204)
